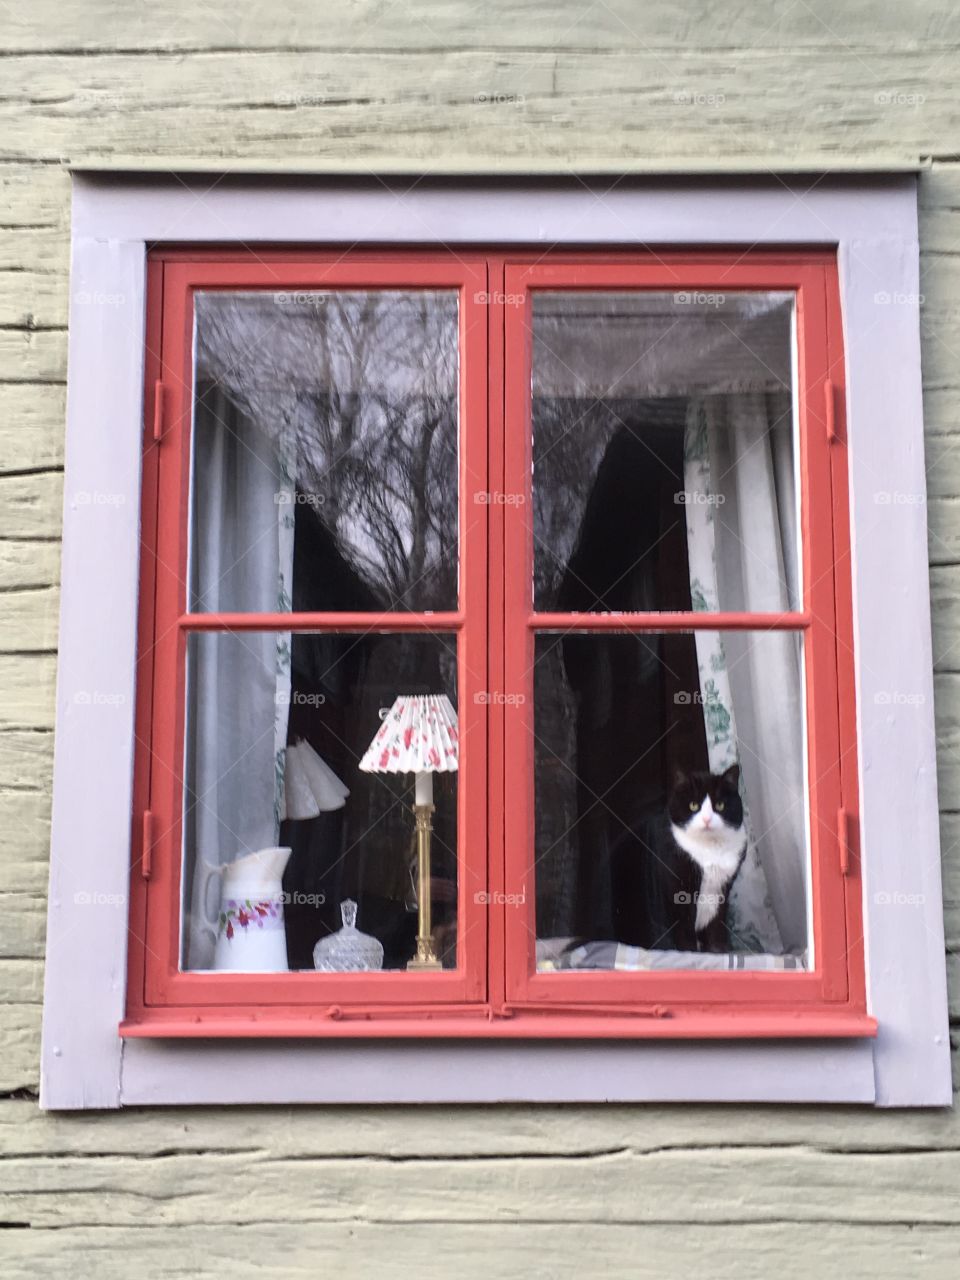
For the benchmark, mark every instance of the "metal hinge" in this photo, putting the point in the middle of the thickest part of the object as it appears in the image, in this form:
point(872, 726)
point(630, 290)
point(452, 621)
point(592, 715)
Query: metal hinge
point(158, 404)
point(830, 412)
point(844, 826)
point(146, 854)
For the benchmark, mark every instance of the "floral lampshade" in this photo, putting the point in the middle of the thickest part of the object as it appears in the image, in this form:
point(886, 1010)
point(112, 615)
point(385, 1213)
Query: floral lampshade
point(418, 735)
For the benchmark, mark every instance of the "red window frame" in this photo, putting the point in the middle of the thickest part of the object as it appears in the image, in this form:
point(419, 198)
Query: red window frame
point(496, 990)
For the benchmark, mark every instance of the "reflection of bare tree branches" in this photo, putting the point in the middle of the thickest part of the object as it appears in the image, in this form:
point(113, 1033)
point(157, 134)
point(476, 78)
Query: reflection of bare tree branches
point(358, 390)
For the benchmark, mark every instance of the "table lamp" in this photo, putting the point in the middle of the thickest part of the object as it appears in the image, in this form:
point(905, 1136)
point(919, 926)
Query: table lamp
point(419, 736)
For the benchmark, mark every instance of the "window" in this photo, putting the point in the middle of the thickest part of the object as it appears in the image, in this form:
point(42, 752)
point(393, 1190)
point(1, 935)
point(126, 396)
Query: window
point(574, 524)
point(574, 1030)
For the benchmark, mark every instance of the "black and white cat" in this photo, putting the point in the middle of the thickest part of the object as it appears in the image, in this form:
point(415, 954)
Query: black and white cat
point(671, 880)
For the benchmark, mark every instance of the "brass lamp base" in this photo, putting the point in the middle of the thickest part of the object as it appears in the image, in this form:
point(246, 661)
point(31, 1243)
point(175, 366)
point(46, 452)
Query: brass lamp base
point(426, 958)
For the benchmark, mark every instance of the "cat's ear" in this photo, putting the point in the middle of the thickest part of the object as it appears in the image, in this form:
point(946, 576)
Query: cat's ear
point(732, 775)
point(680, 779)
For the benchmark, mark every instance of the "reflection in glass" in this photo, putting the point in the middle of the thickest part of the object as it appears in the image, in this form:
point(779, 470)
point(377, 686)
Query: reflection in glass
point(325, 451)
point(616, 718)
point(277, 724)
point(663, 452)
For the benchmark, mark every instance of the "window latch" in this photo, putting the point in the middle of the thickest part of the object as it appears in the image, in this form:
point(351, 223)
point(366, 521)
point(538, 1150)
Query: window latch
point(830, 411)
point(146, 853)
point(843, 836)
point(158, 411)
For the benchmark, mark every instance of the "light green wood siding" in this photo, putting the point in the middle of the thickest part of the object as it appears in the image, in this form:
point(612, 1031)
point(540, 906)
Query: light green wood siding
point(561, 86)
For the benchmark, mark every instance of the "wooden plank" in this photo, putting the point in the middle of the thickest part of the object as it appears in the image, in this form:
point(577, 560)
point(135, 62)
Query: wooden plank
point(28, 683)
point(31, 425)
point(942, 412)
point(43, 250)
point(32, 299)
point(24, 925)
point(28, 355)
point(20, 1033)
point(772, 1185)
point(943, 530)
point(26, 760)
point(31, 506)
point(505, 1132)
point(21, 982)
point(950, 862)
point(24, 841)
point(478, 1251)
point(34, 196)
point(28, 620)
point(942, 459)
point(613, 107)
point(953, 987)
point(947, 709)
point(856, 26)
point(28, 564)
point(945, 616)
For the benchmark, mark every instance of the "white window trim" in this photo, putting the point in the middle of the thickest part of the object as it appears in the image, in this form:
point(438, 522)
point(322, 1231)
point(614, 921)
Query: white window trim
point(115, 218)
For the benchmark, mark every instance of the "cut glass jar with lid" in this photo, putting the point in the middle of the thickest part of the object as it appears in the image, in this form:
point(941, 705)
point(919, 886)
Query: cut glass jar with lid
point(348, 950)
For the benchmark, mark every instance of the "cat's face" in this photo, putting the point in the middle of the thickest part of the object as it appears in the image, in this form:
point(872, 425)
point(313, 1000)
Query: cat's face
point(706, 802)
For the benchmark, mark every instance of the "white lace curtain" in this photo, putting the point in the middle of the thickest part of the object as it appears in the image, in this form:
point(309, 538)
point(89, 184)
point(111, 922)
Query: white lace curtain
point(238, 684)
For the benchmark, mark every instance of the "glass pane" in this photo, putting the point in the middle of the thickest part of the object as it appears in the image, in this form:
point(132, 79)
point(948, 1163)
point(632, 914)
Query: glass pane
point(325, 452)
point(664, 470)
point(633, 734)
point(282, 826)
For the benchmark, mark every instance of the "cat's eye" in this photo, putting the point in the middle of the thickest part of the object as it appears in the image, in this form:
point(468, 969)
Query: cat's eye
point(694, 806)
point(720, 806)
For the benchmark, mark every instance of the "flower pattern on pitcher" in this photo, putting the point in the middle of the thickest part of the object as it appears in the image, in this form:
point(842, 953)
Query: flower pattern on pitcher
point(242, 913)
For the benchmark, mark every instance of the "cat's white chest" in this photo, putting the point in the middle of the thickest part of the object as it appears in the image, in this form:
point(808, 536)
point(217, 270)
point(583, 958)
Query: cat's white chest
point(717, 851)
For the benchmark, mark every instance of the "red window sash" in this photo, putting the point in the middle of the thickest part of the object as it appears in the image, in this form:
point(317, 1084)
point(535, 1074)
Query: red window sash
point(155, 971)
point(836, 927)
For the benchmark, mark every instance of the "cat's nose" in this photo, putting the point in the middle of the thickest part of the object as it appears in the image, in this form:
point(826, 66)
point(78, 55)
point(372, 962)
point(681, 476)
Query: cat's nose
point(707, 819)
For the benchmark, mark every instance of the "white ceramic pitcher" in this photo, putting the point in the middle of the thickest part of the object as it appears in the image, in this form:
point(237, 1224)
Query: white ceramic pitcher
point(248, 926)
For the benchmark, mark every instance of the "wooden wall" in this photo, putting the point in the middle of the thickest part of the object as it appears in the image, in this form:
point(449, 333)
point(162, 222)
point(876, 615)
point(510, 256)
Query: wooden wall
point(376, 84)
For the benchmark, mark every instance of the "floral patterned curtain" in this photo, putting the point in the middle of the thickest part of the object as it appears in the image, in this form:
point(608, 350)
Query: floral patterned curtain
point(768, 902)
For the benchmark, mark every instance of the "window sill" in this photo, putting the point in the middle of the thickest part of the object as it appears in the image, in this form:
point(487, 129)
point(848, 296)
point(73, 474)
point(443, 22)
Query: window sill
point(654, 1022)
